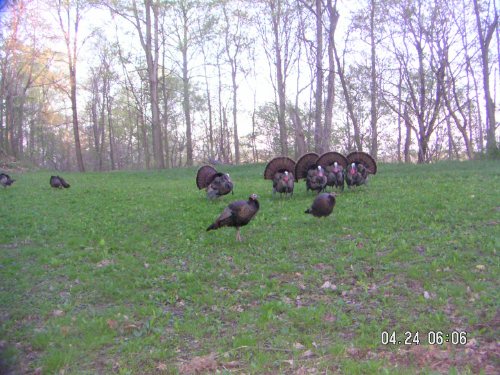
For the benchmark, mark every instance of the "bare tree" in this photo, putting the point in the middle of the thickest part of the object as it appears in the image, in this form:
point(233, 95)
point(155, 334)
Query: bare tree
point(485, 32)
point(70, 14)
point(236, 42)
point(279, 49)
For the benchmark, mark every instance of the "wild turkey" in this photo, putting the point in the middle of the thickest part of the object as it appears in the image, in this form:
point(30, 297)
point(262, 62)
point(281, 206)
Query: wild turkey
point(280, 170)
point(307, 168)
point(334, 164)
point(361, 165)
point(354, 176)
point(316, 179)
point(216, 183)
point(58, 182)
point(237, 214)
point(5, 180)
point(322, 205)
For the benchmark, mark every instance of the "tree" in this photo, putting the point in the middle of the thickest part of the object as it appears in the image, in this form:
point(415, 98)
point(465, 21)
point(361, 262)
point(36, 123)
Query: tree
point(69, 14)
point(146, 22)
point(236, 41)
point(279, 48)
point(485, 32)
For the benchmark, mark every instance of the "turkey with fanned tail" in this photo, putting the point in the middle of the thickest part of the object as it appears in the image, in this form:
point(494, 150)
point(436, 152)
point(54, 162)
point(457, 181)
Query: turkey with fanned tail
point(237, 214)
point(334, 164)
point(361, 165)
point(280, 170)
point(216, 183)
point(308, 168)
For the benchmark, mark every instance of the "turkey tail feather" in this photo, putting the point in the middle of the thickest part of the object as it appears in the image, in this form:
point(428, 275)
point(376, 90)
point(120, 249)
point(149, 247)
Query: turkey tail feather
point(278, 164)
point(305, 162)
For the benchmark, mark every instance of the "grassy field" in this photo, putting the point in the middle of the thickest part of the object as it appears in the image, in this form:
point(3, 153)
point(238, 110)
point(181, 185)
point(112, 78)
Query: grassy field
point(118, 275)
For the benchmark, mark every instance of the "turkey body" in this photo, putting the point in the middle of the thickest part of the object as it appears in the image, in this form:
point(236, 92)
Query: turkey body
point(216, 183)
point(220, 185)
point(316, 179)
point(283, 182)
point(58, 182)
point(335, 176)
point(322, 205)
point(5, 180)
point(237, 214)
point(355, 175)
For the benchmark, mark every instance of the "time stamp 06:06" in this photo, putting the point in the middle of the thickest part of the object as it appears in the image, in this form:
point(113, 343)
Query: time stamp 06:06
point(432, 338)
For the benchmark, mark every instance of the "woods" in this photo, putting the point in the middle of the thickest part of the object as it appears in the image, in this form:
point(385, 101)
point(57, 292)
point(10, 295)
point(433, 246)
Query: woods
point(104, 85)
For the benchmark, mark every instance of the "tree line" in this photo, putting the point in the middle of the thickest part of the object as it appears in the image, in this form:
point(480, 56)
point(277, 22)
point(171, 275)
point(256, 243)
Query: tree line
point(120, 84)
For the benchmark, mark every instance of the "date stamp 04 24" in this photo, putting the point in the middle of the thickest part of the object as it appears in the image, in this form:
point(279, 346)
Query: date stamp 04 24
point(431, 338)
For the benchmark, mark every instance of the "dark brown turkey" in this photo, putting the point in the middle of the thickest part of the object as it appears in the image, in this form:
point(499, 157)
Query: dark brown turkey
point(361, 165)
point(237, 214)
point(322, 205)
point(308, 168)
point(58, 182)
point(216, 183)
point(280, 170)
point(316, 179)
point(5, 180)
point(334, 164)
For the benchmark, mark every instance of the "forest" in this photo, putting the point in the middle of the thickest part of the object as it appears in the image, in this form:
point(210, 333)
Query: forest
point(101, 85)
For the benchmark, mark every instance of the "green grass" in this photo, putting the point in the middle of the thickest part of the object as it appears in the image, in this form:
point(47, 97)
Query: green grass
point(118, 275)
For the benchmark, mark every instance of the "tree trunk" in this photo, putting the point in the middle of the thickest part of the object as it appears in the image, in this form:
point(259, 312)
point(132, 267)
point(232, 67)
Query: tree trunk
point(280, 79)
point(152, 54)
point(484, 41)
point(76, 130)
point(349, 104)
point(330, 92)
point(235, 115)
point(318, 113)
point(408, 135)
point(373, 85)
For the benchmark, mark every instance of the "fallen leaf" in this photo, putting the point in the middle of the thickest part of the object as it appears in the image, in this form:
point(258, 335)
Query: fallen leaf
point(104, 263)
point(326, 285)
point(161, 366)
point(298, 346)
point(420, 249)
point(307, 354)
point(199, 365)
point(112, 324)
point(232, 364)
point(329, 318)
point(57, 313)
point(480, 267)
point(65, 330)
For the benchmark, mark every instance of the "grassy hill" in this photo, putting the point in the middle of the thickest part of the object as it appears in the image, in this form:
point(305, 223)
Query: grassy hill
point(118, 275)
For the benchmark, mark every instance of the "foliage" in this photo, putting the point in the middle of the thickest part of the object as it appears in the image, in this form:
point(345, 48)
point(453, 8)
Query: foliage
point(117, 274)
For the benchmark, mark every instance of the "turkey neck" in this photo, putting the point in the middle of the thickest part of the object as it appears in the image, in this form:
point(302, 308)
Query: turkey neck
point(254, 203)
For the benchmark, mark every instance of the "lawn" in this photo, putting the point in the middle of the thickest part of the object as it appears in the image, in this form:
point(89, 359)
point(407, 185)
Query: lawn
point(118, 275)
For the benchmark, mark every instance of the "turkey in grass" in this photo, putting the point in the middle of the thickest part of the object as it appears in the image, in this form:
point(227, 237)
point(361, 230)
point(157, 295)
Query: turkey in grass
point(58, 182)
point(280, 170)
point(322, 205)
point(308, 168)
point(361, 165)
point(237, 214)
point(5, 180)
point(334, 164)
point(216, 183)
